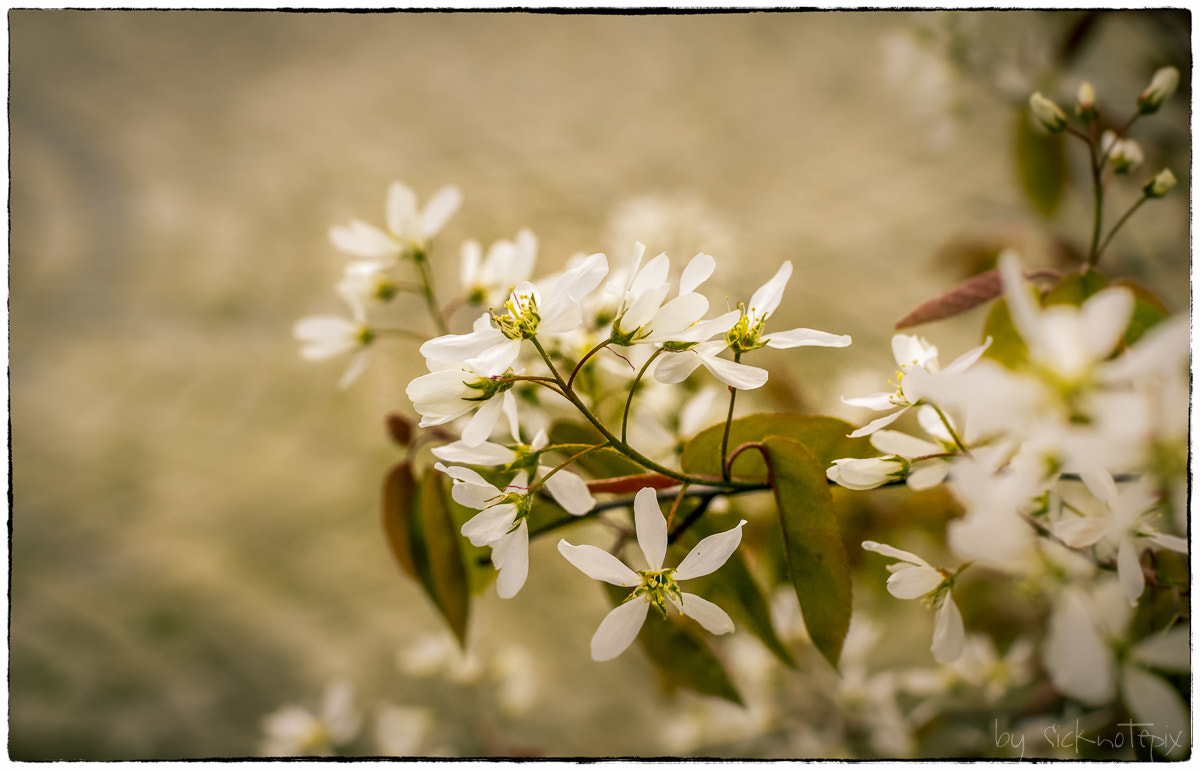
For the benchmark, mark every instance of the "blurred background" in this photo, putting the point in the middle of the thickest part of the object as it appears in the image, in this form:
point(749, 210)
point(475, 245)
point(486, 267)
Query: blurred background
point(195, 539)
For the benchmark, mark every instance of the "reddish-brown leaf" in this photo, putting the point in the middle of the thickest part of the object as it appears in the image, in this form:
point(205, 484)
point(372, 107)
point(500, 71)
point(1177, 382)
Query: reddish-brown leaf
point(626, 484)
point(967, 295)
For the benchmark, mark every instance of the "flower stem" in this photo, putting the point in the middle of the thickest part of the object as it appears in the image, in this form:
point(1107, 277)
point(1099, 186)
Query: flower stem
point(426, 274)
point(725, 471)
point(622, 446)
point(579, 366)
point(1124, 218)
point(632, 390)
point(958, 442)
point(540, 482)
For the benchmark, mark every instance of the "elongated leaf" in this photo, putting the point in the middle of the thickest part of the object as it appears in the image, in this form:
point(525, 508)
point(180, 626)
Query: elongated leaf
point(735, 590)
point(622, 485)
point(399, 493)
point(1041, 164)
point(680, 657)
point(816, 558)
point(825, 437)
point(967, 295)
point(438, 555)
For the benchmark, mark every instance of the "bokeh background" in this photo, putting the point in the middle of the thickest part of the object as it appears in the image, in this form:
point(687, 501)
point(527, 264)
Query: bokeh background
point(195, 537)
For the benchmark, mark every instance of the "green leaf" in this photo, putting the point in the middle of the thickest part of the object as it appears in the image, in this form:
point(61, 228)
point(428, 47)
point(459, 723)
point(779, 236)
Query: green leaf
point(816, 558)
point(825, 437)
point(1075, 289)
point(1148, 311)
point(601, 464)
point(1007, 348)
point(680, 657)
point(438, 554)
point(1041, 164)
point(734, 589)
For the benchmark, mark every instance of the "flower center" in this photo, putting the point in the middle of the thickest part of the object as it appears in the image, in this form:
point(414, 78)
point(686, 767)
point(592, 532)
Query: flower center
point(746, 334)
point(657, 587)
point(521, 322)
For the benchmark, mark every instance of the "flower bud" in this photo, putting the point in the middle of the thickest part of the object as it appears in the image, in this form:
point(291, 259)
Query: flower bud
point(1085, 105)
point(1122, 155)
point(1162, 85)
point(867, 473)
point(1159, 185)
point(1047, 114)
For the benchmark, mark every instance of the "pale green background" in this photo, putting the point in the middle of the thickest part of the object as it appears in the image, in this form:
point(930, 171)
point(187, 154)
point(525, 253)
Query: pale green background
point(195, 536)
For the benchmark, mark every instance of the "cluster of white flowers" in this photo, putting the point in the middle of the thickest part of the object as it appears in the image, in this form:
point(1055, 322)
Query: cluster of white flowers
point(1069, 467)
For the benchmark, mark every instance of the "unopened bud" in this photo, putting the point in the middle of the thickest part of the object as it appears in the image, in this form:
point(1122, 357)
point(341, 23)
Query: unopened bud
point(1047, 114)
point(1122, 155)
point(1159, 185)
point(1162, 85)
point(399, 428)
point(1085, 106)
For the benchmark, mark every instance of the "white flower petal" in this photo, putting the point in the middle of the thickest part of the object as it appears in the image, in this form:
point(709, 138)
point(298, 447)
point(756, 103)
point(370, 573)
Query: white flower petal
point(510, 555)
point(651, 527)
point(768, 296)
point(481, 424)
point(1103, 317)
point(357, 366)
point(360, 239)
point(876, 401)
point(894, 442)
point(401, 209)
point(598, 564)
point(736, 375)
point(948, 633)
point(895, 553)
point(696, 272)
point(1078, 661)
point(1081, 531)
point(489, 525)
point(878, 423)
point(795, 338)
point(912, 582)
point(966, 359)
point(1170, 542)
point(1156, 707)
point(927, 475)
point(710, 616)
point(674, 367)
point(486, 453)
point(1129, 571)
point(677, 315)
point(618, 629)
point(570, 491)
point(1169, 651)
point(710, 553)
point(439, 209)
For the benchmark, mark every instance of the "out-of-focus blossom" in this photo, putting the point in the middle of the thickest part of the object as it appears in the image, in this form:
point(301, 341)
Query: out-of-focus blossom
point(294, 731)
point(913, 578)
point(487, 279)
point(409, 228)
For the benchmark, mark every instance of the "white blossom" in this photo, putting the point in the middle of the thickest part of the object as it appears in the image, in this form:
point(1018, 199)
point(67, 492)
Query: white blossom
point(294, 731)
point(409, 229)
point(654, 585)
point(501, 523)
point(913, 578)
